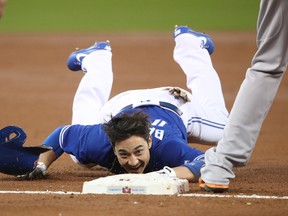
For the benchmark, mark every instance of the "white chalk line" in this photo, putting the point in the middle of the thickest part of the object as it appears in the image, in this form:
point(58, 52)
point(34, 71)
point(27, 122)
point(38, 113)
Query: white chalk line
point(41, 192)
point(242, 196)
point(254, 196)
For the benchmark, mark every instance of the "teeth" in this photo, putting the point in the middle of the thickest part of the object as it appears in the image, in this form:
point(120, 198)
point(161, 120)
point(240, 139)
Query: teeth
point(135, 168)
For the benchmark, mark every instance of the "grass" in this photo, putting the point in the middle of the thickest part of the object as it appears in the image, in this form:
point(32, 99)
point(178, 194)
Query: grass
point(127, 15)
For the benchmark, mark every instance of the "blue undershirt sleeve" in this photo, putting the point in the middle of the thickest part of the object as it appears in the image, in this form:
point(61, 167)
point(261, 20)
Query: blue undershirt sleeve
point(53, 141)
point(177, 152)
point(195, 167)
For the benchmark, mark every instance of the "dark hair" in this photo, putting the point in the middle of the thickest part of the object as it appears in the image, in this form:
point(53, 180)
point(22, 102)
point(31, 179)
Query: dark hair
point(125, 125)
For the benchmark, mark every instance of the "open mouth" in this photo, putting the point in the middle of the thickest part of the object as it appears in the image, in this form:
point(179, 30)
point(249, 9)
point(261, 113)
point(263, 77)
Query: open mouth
point(135, 169)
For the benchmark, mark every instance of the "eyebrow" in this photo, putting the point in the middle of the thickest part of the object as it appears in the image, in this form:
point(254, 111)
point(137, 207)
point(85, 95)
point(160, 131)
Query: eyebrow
point(123, 150)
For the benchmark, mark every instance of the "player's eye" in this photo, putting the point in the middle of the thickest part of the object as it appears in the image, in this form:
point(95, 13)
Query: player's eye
point(139, 152)
point(123, 155)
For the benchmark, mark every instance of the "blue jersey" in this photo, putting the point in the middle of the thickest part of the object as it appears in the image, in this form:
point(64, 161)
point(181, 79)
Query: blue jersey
point(89, 144)
point(169, 142)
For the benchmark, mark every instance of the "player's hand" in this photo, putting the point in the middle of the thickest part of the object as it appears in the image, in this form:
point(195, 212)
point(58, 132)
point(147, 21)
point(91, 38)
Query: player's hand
point(165, 172)
point(38, 173)
point(178, 93)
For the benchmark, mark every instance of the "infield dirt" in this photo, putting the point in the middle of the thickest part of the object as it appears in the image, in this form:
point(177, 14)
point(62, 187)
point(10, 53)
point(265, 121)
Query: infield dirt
point(37, 93)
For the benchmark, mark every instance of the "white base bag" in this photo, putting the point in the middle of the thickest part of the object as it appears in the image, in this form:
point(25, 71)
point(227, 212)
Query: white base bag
point(149, 184)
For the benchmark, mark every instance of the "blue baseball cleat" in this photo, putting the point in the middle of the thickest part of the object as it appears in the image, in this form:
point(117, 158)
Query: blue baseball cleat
point(207, 42)
point(74, 61)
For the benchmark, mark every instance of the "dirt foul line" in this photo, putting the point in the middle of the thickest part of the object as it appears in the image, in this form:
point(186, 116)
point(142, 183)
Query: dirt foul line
point(254, 196)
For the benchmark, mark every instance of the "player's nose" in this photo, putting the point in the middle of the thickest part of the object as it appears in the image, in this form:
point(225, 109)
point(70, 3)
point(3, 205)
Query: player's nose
point(133, 160)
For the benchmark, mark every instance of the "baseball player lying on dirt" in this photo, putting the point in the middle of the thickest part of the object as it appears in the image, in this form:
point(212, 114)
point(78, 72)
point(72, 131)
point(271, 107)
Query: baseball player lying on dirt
point(149, 128)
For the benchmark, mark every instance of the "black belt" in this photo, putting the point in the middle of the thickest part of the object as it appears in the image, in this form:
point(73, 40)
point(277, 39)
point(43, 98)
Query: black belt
point(161, 103)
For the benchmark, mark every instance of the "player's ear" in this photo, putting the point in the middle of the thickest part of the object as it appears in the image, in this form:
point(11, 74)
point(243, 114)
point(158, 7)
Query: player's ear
point(114, 148)
point(150, 142)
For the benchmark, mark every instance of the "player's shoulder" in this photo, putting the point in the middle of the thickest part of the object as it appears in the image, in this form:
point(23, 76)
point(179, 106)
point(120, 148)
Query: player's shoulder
point(171, 140)
point(80, 129)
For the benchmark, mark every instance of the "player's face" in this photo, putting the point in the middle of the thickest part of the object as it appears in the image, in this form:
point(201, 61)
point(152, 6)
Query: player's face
point(133, 154)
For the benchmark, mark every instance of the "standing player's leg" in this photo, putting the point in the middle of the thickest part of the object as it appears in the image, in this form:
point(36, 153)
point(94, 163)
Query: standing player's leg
point(254, 98)
point(207, 113)
point(95, 87)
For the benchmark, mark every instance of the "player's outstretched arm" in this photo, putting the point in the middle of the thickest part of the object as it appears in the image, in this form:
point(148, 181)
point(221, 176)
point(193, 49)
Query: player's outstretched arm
point(184, 160)
point(193, 167)
point(176, 172)
point(44, 161)
point(189, 171)
point(47, 158)
point(184, 173)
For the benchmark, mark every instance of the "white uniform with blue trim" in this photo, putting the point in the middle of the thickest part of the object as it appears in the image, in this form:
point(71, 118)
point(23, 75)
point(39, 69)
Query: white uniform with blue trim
point(204, 116)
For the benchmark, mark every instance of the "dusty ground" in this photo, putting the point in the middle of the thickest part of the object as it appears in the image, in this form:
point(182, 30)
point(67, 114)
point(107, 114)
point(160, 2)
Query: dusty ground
point(37, 92)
